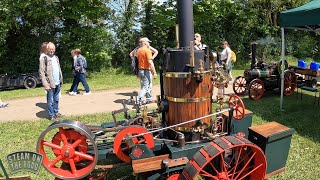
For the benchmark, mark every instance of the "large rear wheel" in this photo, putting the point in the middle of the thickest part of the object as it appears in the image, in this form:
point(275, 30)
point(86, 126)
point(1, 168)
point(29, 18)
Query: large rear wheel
point(227, 158)
point(290, 83)
point(256, 89)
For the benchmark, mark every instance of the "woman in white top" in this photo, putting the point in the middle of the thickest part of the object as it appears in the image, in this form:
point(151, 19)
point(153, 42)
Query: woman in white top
point(226, 58)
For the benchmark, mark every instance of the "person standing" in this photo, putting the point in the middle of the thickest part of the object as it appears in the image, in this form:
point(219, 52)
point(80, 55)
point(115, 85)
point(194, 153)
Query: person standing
point(51, 78)
point(74, 58)
point(226, 58)
point(197, 42)
point(80, 67)
point(146, 70)
point(133, 56)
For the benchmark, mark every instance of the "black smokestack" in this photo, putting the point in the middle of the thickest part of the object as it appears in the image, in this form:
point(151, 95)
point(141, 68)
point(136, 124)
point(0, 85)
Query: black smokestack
point(185, 21)
point(253, 54)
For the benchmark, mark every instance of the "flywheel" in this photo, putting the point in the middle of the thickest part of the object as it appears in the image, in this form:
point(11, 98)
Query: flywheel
point(69, 149)
point(227, 158)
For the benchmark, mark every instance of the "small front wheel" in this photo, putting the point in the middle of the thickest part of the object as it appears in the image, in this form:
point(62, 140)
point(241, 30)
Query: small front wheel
point(240, 85)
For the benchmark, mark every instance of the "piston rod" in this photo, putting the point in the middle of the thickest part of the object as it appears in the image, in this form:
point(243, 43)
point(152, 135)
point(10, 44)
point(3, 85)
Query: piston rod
point(172, 126)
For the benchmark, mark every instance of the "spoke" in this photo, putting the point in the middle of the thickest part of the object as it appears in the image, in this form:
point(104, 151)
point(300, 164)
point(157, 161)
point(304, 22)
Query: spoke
point(239, 111)
point(229, 165)
point(77, 142)
point(232, 103)
point(53, 146)
point(125, 148)
point(246, 164)
point(237, 162)
point(213, 167)
point(141, 141)
point(55, 161)
point(251, 172)
point(73, 166)
point(235, 102)
point(207, 174)
point(85, 156)
point(224, 164)
point(63, 136)
point(237, 172)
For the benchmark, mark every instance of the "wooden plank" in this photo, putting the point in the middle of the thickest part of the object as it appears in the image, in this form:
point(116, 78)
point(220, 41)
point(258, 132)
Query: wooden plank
point(162, 157)
point(155, 163)
point(309, 72)
point(268, 129)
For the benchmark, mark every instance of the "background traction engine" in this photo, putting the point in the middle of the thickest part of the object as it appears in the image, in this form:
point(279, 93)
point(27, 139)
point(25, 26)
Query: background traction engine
point(264, 77)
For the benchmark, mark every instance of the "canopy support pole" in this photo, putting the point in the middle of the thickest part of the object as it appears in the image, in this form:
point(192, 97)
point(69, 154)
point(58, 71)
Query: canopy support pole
point(282, 69)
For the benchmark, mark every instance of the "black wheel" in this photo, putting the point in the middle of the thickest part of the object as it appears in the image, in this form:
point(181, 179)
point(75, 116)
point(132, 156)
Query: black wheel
point(30, 83)
point(290, 83)
point(314, 83)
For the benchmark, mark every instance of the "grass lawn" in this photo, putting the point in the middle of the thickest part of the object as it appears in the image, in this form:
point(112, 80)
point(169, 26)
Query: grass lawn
point(111, 79)
point(304, 156)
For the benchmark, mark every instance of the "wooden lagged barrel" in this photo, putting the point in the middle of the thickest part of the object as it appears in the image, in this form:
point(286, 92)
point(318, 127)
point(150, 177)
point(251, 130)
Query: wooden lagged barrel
point(187, 98)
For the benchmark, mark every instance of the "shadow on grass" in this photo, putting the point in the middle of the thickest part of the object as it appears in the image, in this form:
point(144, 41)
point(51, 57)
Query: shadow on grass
point(302, 115)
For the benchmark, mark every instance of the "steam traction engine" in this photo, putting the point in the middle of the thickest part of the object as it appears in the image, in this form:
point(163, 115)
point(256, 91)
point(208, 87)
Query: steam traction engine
point(264, 77)
point(190, 141)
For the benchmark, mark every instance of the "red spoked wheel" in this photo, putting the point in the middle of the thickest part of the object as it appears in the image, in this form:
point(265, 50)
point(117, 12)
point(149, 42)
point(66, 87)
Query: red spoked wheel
point(65, 155)
point(174, 177)
point(239, 109)
point(120, 146)
point(256, 89)
point(227, 158)
point(240, 85)
point(290, 83)
point(71, 136)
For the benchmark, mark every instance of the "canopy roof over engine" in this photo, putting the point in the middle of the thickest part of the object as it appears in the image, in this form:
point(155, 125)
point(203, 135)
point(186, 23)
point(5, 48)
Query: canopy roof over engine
point(305, 17)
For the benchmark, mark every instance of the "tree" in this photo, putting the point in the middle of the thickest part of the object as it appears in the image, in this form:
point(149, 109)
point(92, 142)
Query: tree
point(69, 24)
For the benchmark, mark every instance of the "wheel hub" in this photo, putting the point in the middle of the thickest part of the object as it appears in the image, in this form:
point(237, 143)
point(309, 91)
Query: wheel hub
point(67, 151)
point(222, 176)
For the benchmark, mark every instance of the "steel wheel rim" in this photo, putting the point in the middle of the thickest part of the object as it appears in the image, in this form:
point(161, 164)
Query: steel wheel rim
point(68, 153)
point(120, 147)
point(290, 83)
point(240, 85)
point(256, 89)
point(239, 108)
point(235, 162)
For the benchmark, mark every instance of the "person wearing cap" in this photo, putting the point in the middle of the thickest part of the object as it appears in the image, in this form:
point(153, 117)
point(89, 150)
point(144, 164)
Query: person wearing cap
point(197, 42)
point(133, 56)
point(146, 70)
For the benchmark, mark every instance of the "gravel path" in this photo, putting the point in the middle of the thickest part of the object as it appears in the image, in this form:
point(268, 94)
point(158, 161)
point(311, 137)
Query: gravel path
point(97, 102)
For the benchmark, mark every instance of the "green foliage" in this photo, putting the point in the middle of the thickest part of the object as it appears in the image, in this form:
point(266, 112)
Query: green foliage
point(69, 24)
